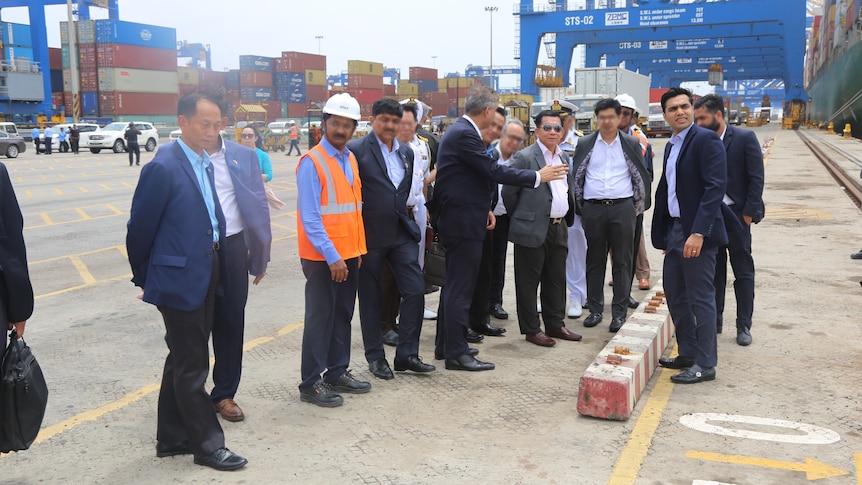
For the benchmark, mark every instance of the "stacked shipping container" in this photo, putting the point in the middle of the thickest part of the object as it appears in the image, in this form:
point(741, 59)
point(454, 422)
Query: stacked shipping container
point(424, 86)
point(16, 42)
point(300, 81)
point(365, 83)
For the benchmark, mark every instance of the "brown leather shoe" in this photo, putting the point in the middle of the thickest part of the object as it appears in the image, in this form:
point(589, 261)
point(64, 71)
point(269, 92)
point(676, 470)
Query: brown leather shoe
point(229, 410)
point(541, 339)
point(564, 333)
point(643, 284)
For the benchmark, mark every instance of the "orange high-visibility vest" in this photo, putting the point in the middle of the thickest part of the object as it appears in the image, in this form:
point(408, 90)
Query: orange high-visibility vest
point(340, 208)
point(294, 132)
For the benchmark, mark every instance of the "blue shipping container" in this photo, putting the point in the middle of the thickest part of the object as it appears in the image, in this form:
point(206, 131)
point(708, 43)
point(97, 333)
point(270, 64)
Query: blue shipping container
point(15, 34)
point(290, 95)
point(89, 103)
point(288, 79)
point(425, 85)
point(16, 51)
point(255, 63)
point(251, 94)
point(130, 33)
point(231, 79)
point(57, 81)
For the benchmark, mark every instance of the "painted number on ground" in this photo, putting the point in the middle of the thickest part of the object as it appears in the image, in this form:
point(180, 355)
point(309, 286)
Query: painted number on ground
point(799, 433)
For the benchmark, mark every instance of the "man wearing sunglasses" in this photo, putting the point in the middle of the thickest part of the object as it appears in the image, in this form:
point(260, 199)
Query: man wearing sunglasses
point(612, 188)
point(539, 218)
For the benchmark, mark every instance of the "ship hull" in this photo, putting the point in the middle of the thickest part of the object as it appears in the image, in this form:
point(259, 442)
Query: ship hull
point(835, 88)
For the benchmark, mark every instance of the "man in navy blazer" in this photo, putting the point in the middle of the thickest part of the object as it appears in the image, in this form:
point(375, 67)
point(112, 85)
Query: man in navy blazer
point(460, 210)
point(391, 234)
point(247, 243)
point(175, 232)
point(688, 225)
point(16, 291)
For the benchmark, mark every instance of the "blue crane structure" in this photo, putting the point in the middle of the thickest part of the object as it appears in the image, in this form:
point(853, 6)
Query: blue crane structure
point(196, 52)
point(39, 37)
point(671, 41)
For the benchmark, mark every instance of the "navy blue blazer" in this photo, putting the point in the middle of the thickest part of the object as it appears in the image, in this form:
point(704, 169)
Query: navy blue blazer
point(384, 207)
point(467, 179)
point(745, 171)
point(701, 181)
point(169, 235)
point(244, 170)
point(15, 283)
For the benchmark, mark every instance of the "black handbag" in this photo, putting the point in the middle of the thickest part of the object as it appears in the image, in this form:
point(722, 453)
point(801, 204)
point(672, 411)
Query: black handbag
point(435, 263)
point(23, 396)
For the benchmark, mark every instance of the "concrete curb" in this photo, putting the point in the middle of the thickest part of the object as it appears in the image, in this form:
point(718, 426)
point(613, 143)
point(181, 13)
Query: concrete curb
point(612, 384)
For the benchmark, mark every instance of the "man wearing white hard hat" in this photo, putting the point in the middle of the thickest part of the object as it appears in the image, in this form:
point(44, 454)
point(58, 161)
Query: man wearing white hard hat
point(331, 242)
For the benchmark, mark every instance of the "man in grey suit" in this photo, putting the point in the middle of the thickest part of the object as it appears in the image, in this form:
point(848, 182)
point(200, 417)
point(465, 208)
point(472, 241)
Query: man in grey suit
point(536, 228)
point(611, 188)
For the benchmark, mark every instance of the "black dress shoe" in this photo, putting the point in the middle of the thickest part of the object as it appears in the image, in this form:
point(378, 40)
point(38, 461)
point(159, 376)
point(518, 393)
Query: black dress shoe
point(390, 338)
point(321, 394)
point(632, 302)
point(486, 328)
point(413, 363)
point(438, 352)
point(349, 384)
point(617, 324)
point(856, 255)
point(468, 363)
point(431, 289)
point(693, 375)
point(499, 313)
point(222, 459)
point(593, 320)
point(380, 369)
point(676, 362)
point(743, 336)
point(473, 337)
point(163, 450)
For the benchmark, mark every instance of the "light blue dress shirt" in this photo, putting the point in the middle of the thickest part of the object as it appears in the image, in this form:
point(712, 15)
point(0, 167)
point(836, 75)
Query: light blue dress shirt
point(203, 167)
point(672, 200)
point(396, 165)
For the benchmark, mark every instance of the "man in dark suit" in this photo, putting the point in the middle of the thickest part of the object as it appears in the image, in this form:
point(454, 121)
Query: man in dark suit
point(386, 168)
point(536, 227)
point(175, 232)
point(16, 292)
point(688, 225)
point(744, 197)
point(466, 179)
point(612, 187)
point(246, 250)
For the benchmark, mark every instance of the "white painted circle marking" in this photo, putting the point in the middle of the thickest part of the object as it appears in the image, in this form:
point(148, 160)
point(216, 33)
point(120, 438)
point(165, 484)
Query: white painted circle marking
point(813, 435)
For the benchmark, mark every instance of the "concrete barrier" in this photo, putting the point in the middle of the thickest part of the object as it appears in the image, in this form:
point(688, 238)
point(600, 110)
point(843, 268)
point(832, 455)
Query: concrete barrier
point(612, 384)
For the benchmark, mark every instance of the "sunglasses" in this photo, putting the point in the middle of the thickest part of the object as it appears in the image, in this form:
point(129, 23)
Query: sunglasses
point(247, 136)
point(557, 128)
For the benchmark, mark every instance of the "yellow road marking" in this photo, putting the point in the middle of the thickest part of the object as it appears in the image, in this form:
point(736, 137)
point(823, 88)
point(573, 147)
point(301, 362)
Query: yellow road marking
point(88, 277)
point(29, 194)
point(814, 470)
point(857, 460)
point(46, 218)
point(631, 459)
point(84, 215)
point(128, 185)
point(116, 211)
point(105, 186)
point(82, 189)
point(58, 258)
point(58, 191)
point(81, 287)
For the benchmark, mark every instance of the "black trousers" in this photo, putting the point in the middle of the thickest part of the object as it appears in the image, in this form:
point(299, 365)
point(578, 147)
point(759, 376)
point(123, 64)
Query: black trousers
point(739, 248)
point(185, 409)
point(545, 264)
point(74, 144)
point(479, 304)
point(463, 258)
point(134, 151)
point(609, 227)
point(498, 261)
point(229, 321)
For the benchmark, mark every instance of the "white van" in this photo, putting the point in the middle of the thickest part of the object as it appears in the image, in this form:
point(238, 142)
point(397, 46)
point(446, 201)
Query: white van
point(10, 128)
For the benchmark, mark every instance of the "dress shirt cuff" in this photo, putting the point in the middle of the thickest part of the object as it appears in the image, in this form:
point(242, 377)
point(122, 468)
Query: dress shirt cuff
point(538, 180)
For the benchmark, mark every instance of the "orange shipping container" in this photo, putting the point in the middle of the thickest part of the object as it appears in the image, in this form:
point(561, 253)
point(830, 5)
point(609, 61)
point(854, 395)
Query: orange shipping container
point(255, 79)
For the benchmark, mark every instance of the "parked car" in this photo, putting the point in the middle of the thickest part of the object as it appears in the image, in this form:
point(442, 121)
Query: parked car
point(176, 134)
point(10, 128)
point(11, 145)
point(111, 137)
point(55, 140)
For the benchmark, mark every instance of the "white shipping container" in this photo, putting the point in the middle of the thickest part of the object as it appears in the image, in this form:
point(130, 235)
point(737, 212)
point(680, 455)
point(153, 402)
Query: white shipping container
point(138, 81)
point(613, 81)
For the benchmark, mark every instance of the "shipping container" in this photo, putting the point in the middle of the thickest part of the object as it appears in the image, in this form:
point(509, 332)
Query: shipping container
point(15, 34)
point(89, 80)
point(55, 58)
point(364, 81)
point(252, 94)
point(231, 79)
point(188, 76)
point(137, 81)
point(11, 52)
point(288, 65)
point(188, 89)
point(118, 103)
point(310, 61)
point(296, 110)
point(89, 103)
point(57, 99)
point(315, 77)
point(290, 95)
point(86, 32)
point(255, 78)
point(57, 80)
point(389, 90)
point(273, 110)
point(119, 32)
point(316, 94)
point(459, 82)
point(405, 88)
point(423, 73)
point(442, 85)
point(288, 80)
point(255, 63)
point(212, 79)
point(87, 56)
point(135, 57)
point(655, 95)
point(365, 67)
point(366, 95)
point(425, 85)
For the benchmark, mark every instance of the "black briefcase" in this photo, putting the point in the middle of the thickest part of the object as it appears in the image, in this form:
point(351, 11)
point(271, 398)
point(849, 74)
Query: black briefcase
point(23, 396)
point(435, 264)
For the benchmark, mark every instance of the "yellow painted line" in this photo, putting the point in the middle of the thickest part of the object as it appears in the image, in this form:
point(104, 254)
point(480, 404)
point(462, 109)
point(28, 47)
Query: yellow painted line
point(58, 191)
point(122, 249)
point(29, 194)
point(58, 258)
point(116, 211)
point(105, 186)
point(128, 185)
point(92, 415)
point(88, 277)
point(857, 460)
point(82, 189)
point(46, 218)
point(631, 459)
point(814, 470)
point(81, 287)
point(282, 226)
point(84, 215)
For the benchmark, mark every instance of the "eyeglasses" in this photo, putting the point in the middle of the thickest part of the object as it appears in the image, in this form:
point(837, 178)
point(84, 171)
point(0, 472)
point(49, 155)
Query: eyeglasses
point(626, 112)
point(557, 128)
point(247, 136)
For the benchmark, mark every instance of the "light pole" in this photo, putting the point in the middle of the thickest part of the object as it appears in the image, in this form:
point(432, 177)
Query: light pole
point(319, 38)
point(491, 9)
point(434, 60)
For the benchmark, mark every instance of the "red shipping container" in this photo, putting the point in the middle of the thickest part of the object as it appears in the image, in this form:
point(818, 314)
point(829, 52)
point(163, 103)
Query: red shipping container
point(364, 81)
point(273, 110)
point(288, 65)
point(655, 94)
point(365, 110)
point(423, 73)
point(365, 95)
point(389, 90)
point(188, 89)
point(317, 94)
point(215, 79)
point(87, 56)
point(89, 80)
point(297, 110)
point(136, 57)
point(113, 103)
point(255, 79)
point(310, 61)
point(55, 56)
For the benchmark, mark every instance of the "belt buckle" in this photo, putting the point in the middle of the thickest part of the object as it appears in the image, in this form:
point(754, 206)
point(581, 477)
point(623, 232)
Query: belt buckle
point(556, 220)
point(607, 202)
point(216, 245)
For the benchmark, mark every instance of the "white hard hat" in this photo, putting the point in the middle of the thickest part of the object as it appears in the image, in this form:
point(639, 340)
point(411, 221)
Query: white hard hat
point(628, 102)
point(343, 104)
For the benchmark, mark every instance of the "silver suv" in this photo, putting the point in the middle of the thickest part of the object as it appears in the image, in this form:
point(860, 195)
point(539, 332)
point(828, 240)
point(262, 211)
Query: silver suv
point(111, 136)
